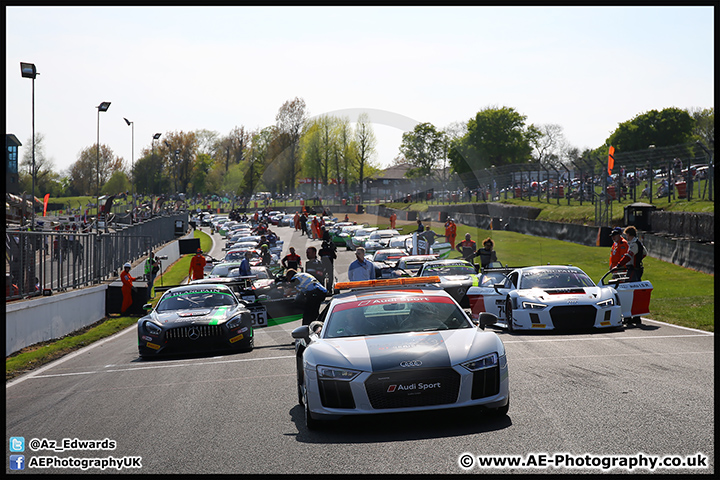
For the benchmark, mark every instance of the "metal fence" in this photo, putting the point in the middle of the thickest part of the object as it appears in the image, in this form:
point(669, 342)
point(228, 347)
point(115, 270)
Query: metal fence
point(51, 261)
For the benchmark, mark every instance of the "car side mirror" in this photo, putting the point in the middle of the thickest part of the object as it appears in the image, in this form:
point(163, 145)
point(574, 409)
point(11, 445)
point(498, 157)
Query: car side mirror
point(496, 286)
point(147, 306)
point(302, 333)
point(486, 320)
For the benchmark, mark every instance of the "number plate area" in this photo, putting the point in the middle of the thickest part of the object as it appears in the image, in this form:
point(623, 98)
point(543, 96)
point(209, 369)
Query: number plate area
point(258, 313)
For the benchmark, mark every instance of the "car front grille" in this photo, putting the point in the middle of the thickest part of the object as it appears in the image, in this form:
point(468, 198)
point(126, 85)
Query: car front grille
point(573, 317)
point(194, 332)
point(413, 389)
point(460, 295)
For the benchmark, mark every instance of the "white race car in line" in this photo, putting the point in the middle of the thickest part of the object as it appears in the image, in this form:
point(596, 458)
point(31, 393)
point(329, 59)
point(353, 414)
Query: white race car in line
point(388, 348)
point(557, 297)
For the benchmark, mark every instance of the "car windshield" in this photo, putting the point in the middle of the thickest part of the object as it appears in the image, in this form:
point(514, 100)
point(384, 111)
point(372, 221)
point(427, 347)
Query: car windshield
point(448, 269)
point(554, 278)
point(489, 279)
point(379, 235)
point(397, 242)
point(239, 255)
point(220, 271)
point(394, 314)
point(195, 299)
point(414, 265)
point(260, 272)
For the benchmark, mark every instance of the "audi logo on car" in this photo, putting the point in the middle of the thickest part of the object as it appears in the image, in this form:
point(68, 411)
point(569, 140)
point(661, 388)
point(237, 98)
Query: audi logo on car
point(411, 363)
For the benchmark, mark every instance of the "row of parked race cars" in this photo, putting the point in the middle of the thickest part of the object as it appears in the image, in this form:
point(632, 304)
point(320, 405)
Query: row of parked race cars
point(413, 339)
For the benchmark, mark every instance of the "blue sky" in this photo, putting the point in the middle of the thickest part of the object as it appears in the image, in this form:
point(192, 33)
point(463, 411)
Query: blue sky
point(168, 69)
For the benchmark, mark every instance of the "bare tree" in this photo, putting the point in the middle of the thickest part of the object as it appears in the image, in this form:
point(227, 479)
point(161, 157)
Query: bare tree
point(366, 143)
point(43, 165)
point(547, 145)
point(290, 120)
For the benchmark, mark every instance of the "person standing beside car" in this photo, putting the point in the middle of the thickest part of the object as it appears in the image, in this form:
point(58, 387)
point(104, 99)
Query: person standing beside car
point(151, 269)
point(291, 260)
point(361, 269)
point(487, 254)
point(633, 257)
point(429, 237)
point(310, 292)
point(619, 246)
point(197, 266)
point(450, 231)
point(328, 255)
point(467, 248)
point(314, 266)
point(127, 287)
point(245, 270)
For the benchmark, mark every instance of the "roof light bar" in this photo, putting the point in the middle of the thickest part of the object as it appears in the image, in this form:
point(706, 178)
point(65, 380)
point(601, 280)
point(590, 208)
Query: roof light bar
point(390, 282)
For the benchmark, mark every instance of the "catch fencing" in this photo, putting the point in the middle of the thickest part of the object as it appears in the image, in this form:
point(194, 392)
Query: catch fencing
point(42, 262)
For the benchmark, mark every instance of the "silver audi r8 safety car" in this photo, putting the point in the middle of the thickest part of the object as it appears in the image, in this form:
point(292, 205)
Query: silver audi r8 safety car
point(400, 348)
point(195, 318)
point(556, 297)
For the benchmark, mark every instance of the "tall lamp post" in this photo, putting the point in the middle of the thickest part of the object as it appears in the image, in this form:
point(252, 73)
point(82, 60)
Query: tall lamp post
point(155, 138)
point(103, 107)
point(132, 168)
point(28, 70)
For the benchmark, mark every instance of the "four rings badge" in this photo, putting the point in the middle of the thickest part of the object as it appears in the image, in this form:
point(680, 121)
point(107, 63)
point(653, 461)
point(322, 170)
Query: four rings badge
point(411, 363)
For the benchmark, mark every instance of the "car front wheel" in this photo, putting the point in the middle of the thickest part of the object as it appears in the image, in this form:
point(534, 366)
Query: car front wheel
point(508, 315)
point(310, 423)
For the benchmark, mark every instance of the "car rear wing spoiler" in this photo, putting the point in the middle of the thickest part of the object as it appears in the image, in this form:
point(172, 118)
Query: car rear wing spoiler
point(237, 281)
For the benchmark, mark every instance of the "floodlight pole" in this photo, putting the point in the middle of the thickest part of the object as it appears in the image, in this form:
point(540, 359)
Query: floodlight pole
point(103, 107)
point(28, 70)
point(132, 169)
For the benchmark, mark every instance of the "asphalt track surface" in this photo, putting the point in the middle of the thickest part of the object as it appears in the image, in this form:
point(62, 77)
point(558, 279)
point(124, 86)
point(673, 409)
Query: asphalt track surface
point(643, 392)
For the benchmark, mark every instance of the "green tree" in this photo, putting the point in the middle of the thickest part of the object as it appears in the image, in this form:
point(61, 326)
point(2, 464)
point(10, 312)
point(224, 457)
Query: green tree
point(496, 136)
point(203, 164)
point(117, 183)
point(704, 128)
point(424, 147)
point(670, 126)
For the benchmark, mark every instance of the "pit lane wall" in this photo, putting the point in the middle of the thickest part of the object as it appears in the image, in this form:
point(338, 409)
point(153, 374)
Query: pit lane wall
point(685, 252)
point(40, 319)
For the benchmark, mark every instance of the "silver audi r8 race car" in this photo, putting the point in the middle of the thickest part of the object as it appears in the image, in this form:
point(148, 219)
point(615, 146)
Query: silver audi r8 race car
point(397, 345)
point(195, 318)
point(557, 297)
point(456, 277)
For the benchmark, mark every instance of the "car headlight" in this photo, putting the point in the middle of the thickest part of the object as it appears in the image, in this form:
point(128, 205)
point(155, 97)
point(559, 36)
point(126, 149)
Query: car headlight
point(533, 306)
point(334, 373)
point(487, 361)
point(606, 303)
point(234, 322)
point(152, 328)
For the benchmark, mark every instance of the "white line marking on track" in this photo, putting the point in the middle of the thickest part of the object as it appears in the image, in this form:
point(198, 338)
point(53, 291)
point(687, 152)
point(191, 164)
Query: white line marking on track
point(149, 367)
point(515, 359)
point(69, 356)
point(644, 337)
